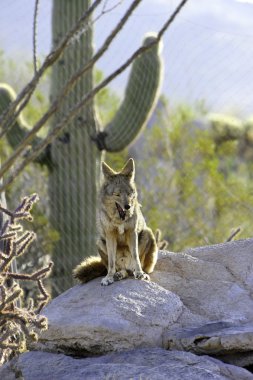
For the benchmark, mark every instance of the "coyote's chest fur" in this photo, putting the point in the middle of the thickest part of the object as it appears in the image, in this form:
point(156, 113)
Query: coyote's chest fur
point(121, 233)
point(121, 229)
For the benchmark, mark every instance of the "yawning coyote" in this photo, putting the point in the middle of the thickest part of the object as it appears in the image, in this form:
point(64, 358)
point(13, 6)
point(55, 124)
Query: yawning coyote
point(125, 244)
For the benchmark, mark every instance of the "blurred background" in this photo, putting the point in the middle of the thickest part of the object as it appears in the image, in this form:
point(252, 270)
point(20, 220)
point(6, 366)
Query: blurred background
point(207, 52)
point(193, 150)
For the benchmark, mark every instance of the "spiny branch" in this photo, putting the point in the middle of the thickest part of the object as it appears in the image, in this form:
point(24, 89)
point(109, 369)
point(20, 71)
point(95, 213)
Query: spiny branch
point(18, 325)
point(36, 276)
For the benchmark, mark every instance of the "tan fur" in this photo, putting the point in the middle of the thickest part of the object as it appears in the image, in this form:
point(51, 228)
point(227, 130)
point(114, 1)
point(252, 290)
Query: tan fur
point(125, 244)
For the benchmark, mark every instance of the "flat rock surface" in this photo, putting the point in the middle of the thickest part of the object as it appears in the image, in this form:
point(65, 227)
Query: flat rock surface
point(148, 364)
point(213, 282)
point(90, 319)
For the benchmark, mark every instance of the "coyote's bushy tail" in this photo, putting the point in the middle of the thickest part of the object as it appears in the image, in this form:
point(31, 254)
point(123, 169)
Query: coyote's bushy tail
point(90, 268)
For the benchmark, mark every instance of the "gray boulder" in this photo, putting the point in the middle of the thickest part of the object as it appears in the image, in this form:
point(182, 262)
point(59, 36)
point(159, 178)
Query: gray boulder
point(216, 284)
point(200, 301)
point(148, 364)
point(93, 319)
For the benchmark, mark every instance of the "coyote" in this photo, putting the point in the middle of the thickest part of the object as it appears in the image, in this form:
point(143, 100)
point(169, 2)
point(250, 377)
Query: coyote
point(125, 244)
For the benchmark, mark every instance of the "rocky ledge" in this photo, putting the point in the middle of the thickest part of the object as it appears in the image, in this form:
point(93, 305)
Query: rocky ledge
point(199, 303)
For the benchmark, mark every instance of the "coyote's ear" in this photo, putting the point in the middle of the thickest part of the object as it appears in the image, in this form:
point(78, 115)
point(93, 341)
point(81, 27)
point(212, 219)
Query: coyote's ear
point(129, 169)
point(107, 171)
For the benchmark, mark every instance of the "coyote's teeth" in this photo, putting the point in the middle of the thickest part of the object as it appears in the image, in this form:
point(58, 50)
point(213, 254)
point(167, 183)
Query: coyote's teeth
point(121, 212)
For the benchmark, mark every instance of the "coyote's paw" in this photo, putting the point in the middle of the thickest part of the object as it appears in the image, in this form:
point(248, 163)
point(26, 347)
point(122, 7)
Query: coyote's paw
point(141, 276)
point(107, 280)
point(120, 275)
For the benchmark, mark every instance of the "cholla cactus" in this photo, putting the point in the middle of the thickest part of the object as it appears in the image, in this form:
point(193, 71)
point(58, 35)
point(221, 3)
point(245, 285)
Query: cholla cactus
point(18, 323)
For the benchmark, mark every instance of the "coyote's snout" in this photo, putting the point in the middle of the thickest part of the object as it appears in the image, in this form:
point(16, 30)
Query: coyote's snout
point(125, 244)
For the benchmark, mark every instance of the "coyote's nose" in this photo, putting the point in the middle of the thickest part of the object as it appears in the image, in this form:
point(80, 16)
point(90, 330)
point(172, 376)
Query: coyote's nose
point(127, 207)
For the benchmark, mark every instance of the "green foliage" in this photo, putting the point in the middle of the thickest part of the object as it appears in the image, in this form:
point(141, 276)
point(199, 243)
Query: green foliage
point(195, 190)
point(225, 128)
point(116, 160)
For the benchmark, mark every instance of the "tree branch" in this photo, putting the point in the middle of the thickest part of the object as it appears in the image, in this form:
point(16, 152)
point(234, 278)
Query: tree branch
point(35, 18)
point(233, 234)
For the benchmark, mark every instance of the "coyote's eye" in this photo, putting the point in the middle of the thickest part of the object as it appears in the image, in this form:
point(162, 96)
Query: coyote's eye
point(116, 194)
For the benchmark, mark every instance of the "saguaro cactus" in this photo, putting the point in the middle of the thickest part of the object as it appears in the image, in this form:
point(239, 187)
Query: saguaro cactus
point(76, 158)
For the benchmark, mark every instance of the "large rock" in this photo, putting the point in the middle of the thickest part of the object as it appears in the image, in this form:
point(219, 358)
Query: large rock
point(200, 301)
point(216, 284)
point(148, 364)
point(90, 319)
point(223, 340)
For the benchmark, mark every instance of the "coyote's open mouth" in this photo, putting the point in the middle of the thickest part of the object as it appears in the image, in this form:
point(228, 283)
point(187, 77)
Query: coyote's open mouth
point(122, 213)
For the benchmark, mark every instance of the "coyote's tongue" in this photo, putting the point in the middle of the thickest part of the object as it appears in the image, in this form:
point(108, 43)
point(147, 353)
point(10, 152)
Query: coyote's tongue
point(121, 212)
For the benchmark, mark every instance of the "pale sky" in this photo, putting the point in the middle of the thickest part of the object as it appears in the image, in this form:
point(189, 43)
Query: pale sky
point(208, 51)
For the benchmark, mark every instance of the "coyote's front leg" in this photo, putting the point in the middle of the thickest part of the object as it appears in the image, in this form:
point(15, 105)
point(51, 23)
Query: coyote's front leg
point(111, 247)
point(133, 246)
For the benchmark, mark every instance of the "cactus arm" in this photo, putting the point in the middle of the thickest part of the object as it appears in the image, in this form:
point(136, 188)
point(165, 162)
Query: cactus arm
point(20, 127)
point(18, 131)
point(140, 98)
